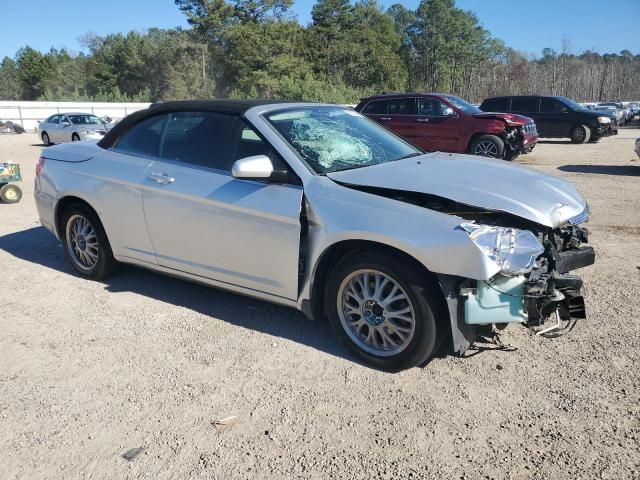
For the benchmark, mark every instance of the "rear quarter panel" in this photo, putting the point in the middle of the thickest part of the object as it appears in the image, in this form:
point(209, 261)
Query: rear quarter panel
point(111, 184)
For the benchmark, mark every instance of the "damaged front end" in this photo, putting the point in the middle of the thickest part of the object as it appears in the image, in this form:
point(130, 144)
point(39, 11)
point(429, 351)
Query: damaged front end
point(532, 284)
point(534, 287)
point(520, 138)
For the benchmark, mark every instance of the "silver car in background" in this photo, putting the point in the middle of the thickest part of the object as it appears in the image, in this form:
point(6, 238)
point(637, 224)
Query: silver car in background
point(72, 127)
point(315, 207)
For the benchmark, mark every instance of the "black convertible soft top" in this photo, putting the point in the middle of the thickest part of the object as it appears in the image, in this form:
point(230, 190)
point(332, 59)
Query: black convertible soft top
point(237, 107)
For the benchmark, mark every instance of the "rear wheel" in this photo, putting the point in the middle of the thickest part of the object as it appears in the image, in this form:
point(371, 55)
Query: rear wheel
point(45, 139)
point(86, 244)
point(381, 307)
point(580, 134)
point(488, 146)
point(75, 137)
point(10, 193)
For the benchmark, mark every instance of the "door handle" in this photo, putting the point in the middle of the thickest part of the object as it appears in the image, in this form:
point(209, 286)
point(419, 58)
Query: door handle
point(422, 120)
point(161, 178)
point(385, 118)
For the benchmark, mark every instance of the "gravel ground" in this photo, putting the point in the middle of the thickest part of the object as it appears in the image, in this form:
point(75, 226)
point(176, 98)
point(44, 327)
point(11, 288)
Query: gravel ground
point(89, 370)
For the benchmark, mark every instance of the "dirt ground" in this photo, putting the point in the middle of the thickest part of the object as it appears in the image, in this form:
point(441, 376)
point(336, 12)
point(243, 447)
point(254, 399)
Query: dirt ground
point(89, 370)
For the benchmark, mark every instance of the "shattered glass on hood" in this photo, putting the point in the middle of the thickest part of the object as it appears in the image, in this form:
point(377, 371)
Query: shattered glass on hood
point(330, 139)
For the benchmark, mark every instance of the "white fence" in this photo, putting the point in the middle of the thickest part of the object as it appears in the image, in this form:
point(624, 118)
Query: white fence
point(28, 114)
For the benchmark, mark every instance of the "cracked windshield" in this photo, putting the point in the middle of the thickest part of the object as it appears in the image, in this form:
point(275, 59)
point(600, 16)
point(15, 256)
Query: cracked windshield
point(330, 139)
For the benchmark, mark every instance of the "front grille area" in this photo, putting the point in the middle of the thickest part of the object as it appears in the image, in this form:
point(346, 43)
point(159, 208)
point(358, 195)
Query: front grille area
point(530, 128)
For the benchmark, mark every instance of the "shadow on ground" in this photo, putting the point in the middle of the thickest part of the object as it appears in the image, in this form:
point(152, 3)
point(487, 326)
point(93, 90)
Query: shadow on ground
point(37, 245)
point(622, 170)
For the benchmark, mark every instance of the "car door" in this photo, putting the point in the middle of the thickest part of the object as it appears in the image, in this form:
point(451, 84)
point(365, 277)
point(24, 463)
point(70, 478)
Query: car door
point(376, 110)
point(401, 119)
point(204, 221)
point(52, 128)
point(555, 116)
point(439, 126)
point(65, 129)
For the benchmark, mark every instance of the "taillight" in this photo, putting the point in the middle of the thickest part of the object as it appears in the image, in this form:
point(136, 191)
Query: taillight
point(40, 166)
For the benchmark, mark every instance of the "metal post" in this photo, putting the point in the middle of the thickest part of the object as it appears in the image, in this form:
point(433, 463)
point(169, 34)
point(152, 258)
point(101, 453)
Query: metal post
point(20, 115)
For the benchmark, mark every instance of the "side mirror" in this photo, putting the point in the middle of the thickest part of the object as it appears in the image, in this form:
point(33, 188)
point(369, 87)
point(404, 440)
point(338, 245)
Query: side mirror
point(448, 112)
point(255, 167)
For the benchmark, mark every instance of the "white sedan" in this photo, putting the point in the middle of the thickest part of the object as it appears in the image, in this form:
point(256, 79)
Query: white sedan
point(72, 127)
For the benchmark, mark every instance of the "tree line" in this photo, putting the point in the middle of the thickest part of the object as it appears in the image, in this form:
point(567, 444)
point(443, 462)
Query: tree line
point(257, 48)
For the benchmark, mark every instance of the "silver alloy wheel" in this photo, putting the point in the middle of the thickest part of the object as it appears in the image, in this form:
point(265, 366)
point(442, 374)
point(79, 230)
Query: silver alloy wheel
point(45, 139)
point(486, 148)
point(376, 313)
point(82, 242)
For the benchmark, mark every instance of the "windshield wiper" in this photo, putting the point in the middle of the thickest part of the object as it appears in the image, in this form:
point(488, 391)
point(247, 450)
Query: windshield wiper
point(414, 154)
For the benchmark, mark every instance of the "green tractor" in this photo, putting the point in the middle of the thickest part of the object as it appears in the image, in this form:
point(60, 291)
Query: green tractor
point(10, 193)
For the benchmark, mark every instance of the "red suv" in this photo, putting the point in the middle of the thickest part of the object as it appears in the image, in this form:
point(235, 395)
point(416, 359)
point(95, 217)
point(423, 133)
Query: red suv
point(435, 121)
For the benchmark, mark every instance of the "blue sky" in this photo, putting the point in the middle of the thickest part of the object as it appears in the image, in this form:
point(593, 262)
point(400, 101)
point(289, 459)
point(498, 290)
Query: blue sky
point(603, 25)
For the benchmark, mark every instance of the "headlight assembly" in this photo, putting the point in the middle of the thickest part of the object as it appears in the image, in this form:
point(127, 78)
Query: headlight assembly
point(604, 120)
point(513, 250)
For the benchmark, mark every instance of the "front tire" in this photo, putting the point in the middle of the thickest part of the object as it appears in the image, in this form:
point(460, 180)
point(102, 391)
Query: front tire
point(86, 244)
point(45, 139)
point(488, 146)
point(580, 134)
point(381, 308)
point(75, 137)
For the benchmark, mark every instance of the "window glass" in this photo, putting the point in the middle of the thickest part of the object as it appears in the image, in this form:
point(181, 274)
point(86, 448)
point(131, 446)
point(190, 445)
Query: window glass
point(199, 138)
point(525, 104)
point(377, 107)
point(551, 105)
point(143, 138)
point(82, 119)
point(54, 119)
point(249, 143)
point(495, 105)
point(334, 138)
point(402, 106)
point(463, 105)
point(430, 107)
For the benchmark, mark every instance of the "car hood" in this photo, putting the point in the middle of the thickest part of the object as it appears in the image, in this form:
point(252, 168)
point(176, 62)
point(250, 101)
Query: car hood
point(478, 182)
point(508, 117)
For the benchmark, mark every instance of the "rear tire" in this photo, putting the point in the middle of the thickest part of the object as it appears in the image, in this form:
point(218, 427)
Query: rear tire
point(488, 146)
point(580, 134)
point(385, 333)
point(75, 137)
point(85, 243)
point(10, 193)
point(45, 139)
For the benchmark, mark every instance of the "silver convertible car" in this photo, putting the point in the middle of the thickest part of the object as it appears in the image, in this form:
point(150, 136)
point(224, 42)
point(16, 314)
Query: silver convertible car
point(315, 207)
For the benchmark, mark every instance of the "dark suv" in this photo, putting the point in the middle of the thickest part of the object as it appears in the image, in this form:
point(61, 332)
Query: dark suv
point(434, 121)
point(557, 117)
